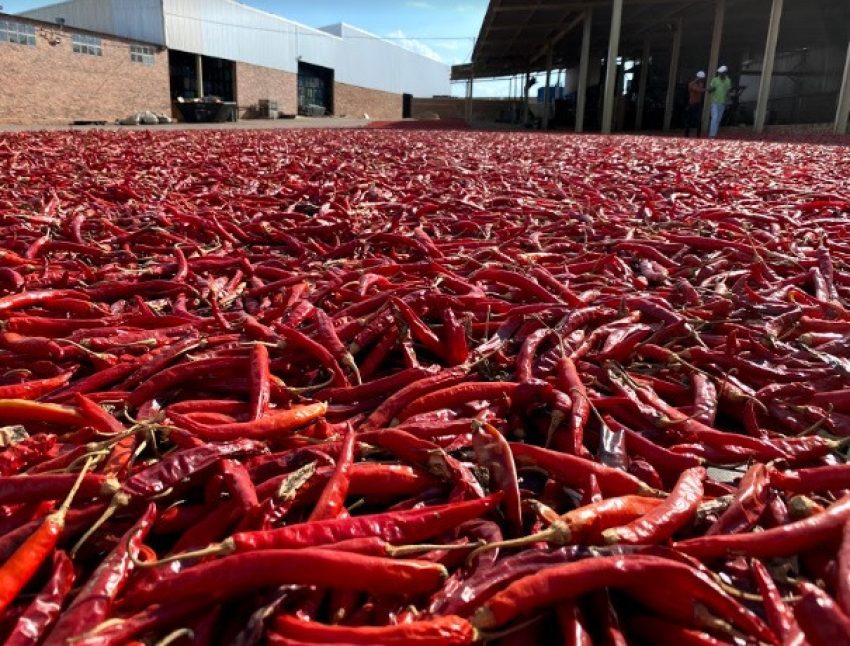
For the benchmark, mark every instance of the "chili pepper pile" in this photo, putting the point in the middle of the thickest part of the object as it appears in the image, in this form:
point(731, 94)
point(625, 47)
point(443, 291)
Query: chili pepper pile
point(423, 387)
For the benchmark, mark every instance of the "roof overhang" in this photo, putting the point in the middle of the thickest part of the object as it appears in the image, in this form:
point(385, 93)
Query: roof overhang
point(517, 35)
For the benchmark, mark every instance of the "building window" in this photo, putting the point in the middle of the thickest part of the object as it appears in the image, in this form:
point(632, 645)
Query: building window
point(17, 32)
point(90, 45)
point(141, 54)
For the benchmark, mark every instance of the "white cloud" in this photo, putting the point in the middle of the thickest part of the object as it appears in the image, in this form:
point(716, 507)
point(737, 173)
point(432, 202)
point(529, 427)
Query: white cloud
point(449, 45)
point(419, 4)
point(413, 45)
point(464, 7)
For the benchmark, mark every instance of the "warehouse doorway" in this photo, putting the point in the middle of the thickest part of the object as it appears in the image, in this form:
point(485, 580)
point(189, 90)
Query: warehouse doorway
point(315, 89)
point(406, 106)
point(218, 76)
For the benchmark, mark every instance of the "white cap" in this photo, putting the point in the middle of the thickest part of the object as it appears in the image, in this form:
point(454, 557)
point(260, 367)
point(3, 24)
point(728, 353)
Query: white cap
point(700, 74)
point(722, 69)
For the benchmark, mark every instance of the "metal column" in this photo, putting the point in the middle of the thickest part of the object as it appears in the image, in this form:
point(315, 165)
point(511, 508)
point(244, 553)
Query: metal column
point(545, 124)
point(469, 91)
point(611, 66)
point(842, 112)
point(581, 91)
point(767, 65)
point(713, 57)
point(199, 76)
point(673, 75)
point(525, 89)
point(644, 77)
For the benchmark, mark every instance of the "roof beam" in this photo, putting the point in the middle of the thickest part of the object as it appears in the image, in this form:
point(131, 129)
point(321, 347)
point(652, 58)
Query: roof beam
point(551, 42)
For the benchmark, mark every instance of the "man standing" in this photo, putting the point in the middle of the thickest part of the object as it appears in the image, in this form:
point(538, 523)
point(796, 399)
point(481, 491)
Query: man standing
point(696, 88)
point(719, 91)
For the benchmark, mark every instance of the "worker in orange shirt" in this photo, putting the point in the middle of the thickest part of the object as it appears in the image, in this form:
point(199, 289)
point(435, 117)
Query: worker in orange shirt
point(693, 113)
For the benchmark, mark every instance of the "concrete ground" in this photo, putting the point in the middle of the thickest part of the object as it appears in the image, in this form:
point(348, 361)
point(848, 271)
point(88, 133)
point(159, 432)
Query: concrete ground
point(245, 124)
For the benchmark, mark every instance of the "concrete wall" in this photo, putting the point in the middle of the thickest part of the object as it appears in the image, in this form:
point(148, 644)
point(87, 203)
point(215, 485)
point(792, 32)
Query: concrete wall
point(483, 110)
point(49, 83)
point(353, 101)
point(254, 83)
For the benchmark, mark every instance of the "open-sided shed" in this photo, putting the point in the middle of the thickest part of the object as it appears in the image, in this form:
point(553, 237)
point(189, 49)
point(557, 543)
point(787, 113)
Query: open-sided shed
point(526, 36)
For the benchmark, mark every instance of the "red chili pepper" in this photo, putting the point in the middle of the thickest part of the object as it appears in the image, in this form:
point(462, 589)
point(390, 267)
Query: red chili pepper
point(26, 560)
point(494, 454)
point(820, 618)
point(260, 381)
point(571, 580)
point(666, 519)
point(331, 503)
point(240, 574)
point(784, 540)
point(778, 614)
point(573, 471)
point(276, 424)
point(93, 603)
point(43, 611)
point(747, 505)
point(448, 629)
point(843, 575)
point(569, 381)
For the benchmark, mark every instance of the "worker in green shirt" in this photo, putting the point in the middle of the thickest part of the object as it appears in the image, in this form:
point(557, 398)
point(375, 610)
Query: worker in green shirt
point(718, 89)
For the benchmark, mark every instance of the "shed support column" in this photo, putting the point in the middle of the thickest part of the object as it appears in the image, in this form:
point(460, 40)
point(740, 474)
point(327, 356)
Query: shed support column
point(767, 65)
point(525, 89)
point(546, 95)
point(714, 56)
point(673, 75)
point(842, 113)
point(199, 75)
point(469, 91)
point(644, 77)
point(581, 90)
point(611, 67)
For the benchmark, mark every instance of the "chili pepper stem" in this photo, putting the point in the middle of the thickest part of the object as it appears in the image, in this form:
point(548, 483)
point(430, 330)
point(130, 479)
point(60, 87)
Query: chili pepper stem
point(558, 533)
point(227, 546)
point(175, 635)
point(487, 636)
point(348, 360)
point(119, 500)
point(406, 550)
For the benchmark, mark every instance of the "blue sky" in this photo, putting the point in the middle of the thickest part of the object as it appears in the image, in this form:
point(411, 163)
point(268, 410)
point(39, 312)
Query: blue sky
point(442, 29)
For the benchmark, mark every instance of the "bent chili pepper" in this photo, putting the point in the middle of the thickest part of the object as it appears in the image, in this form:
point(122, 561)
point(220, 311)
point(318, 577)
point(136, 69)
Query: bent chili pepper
point(239, 574)
point(785, 540)
point(666, 519)
point(747, 505)
point(569, 581)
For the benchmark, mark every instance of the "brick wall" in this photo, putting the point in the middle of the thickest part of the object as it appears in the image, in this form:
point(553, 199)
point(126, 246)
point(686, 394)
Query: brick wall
point(354, 101)
point(254, 83)
point(50, 84)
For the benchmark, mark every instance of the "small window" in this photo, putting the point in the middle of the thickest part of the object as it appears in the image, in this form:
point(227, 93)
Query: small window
point(141, 54)
point(20, 33)
point(90, 45)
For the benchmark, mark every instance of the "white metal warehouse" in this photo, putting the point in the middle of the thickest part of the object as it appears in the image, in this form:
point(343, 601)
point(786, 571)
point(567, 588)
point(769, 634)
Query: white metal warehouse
point(345, 69)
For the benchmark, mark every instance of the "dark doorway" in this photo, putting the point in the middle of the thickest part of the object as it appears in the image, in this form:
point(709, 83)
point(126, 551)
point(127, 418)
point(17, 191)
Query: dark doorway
point(219, 76)
point(315, 89)
point(406, 106)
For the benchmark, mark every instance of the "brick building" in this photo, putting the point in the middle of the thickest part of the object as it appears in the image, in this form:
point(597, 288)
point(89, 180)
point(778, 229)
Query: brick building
point(58, 75)
point(76, 61)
